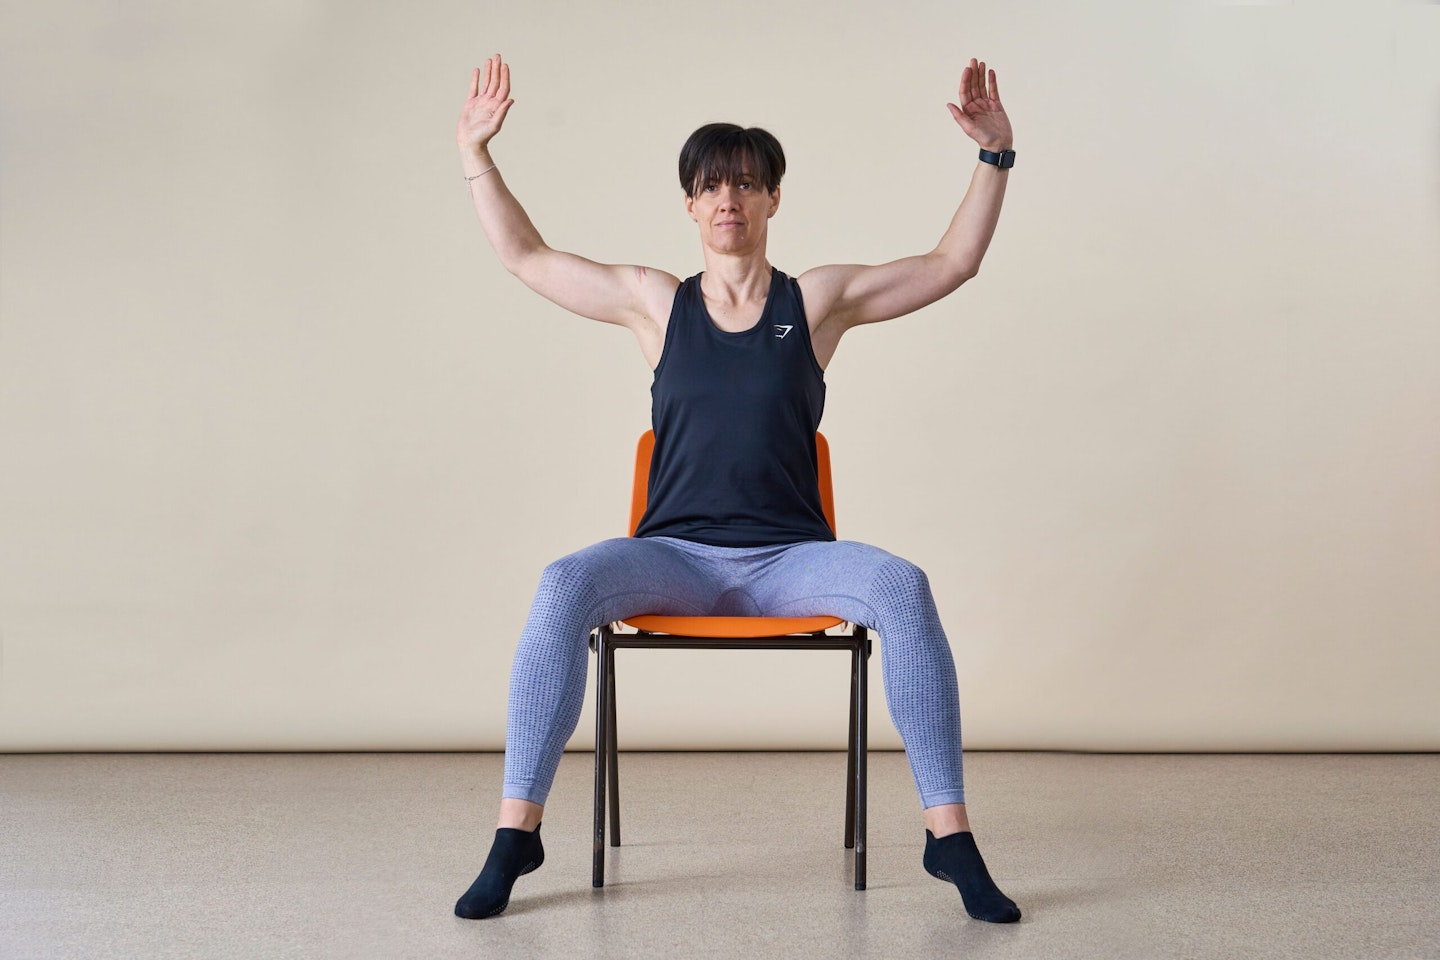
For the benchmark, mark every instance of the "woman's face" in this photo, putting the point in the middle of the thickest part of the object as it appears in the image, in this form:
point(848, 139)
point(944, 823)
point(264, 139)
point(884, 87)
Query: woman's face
point(733, 216)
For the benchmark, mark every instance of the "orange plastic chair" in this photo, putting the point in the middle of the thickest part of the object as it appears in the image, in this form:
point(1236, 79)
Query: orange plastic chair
point(726, 633)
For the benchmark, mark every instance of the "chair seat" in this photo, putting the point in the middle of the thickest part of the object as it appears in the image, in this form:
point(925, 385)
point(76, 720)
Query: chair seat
point(732, 627)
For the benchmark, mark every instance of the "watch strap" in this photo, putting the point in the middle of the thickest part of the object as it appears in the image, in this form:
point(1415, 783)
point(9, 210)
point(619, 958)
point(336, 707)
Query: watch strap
point(1005, 159)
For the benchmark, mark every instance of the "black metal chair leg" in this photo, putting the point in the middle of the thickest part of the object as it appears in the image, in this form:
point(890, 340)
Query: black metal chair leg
point(862, 734)
point(851, 751)
point(612, 748)
point(597, 878)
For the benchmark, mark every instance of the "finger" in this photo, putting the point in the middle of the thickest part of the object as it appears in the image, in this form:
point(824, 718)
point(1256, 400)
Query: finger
point(500, 112)
point(980, 81)
point(965, 84)
point(958, 114)
point(972, 89)
point(484, 90)
point(492, 77)
point(474, 82)
point(994, 87)
point(504, 82)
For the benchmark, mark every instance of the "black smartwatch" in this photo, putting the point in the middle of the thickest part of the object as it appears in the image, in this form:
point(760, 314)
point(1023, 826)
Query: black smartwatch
point(1005, 159)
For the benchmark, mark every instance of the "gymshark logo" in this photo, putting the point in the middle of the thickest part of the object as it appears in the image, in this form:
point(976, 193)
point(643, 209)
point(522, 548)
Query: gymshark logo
point(781, 329)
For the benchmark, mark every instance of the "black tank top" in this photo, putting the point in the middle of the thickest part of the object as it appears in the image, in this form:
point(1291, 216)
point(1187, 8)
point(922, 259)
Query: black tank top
point(735, 416)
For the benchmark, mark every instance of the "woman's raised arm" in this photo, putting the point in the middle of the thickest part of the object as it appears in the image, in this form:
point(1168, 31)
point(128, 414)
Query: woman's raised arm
point(846, 295)
point(626, 295)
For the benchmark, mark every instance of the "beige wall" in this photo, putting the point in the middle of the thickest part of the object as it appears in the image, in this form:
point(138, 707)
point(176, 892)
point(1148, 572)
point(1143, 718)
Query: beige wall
point(284, 450)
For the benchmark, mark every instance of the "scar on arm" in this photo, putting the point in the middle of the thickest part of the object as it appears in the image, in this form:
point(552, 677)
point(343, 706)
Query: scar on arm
point(640, 274)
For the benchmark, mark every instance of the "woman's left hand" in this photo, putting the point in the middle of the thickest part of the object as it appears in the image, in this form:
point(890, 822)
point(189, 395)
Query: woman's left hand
point(980, 113)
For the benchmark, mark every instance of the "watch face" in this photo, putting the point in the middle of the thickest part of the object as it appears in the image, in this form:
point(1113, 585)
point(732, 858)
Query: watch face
point(1007, 159)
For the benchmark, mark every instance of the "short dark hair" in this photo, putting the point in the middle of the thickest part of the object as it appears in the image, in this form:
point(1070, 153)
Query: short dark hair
point(720, 152)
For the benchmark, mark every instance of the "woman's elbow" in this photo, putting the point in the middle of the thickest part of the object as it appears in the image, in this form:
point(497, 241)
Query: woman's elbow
point(524, 263)
point(959, 274)
point(952, 268)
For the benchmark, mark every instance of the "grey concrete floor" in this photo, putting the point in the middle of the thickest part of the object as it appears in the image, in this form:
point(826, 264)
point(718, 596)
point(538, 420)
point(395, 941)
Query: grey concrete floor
point(726, 855)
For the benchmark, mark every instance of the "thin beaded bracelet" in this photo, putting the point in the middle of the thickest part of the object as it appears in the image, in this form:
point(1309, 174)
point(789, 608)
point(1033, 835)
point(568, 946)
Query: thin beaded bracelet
point(479, 175)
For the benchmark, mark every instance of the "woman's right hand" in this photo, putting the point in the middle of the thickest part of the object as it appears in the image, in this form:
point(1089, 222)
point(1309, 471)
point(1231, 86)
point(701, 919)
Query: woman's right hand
point(485, 110)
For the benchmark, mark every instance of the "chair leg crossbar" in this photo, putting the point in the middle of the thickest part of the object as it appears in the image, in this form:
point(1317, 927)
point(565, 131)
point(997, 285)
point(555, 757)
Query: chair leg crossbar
point(605, 641)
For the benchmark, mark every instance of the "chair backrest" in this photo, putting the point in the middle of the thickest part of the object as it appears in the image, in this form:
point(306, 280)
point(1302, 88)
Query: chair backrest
point(639, 492)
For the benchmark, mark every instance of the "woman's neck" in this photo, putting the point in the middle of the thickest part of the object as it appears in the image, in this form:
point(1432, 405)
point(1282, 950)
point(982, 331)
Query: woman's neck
point(736, 280)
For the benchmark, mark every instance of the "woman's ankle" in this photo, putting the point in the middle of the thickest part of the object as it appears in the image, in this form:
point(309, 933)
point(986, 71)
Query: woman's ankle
point(946, 818)
point(519, 814)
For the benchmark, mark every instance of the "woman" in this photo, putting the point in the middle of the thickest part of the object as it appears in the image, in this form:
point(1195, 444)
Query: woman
point(734, 525)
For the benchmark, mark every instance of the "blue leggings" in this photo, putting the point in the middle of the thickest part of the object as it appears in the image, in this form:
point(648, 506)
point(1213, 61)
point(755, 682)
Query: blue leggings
point(630, 576)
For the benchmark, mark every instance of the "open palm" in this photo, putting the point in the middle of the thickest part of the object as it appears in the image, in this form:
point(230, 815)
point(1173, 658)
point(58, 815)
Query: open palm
point(485, 109)
point(980, 113)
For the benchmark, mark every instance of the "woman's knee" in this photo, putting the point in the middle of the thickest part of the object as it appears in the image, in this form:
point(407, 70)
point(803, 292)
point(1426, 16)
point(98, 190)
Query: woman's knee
point(574, 575)
point(901, 578)
point(900, 595)
point(569, 573)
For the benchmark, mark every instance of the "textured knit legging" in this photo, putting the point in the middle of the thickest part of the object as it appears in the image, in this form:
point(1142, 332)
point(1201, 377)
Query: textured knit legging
point(630, 576)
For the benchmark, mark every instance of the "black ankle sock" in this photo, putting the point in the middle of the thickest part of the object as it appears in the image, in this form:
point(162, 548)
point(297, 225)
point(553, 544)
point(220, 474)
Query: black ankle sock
point(956, 858)
point(514, 854)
